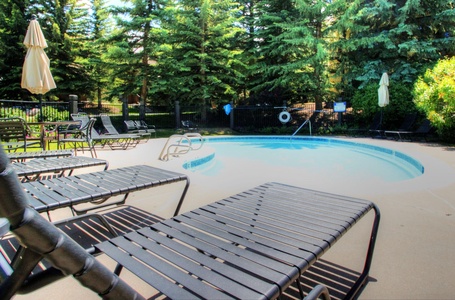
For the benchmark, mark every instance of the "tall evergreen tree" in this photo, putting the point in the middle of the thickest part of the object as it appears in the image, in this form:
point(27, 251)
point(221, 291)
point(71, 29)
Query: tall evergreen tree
point(203, 47)
point(135, 46)
point(266, 84)
point(64, 23)
point(96, 47)
point(14, 19)
point(398, 37)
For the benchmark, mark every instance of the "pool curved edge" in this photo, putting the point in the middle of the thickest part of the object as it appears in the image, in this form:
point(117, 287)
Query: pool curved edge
point(201, 160)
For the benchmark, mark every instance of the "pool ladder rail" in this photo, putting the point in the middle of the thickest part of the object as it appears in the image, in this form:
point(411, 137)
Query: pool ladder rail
point(301, 126)
point(179, 144)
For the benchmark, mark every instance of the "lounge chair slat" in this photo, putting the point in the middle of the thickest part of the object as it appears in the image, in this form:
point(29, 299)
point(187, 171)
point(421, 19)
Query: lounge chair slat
point(185, 259)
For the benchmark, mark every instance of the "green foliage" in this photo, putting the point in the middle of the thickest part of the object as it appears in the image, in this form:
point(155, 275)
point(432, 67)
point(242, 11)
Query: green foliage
point(435, 95)
point(365, 104)
point(51, 114)
point(211, 52)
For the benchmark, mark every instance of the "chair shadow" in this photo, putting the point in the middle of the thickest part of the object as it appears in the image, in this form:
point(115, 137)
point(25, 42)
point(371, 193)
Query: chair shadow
point(336, 278)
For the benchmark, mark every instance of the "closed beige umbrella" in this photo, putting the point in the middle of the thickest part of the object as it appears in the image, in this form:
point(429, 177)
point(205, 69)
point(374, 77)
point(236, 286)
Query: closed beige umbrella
point(36, 75)
point(383, 94)
point(383, 91)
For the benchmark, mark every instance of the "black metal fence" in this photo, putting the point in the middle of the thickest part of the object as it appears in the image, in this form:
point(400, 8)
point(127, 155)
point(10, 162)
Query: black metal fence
point(260, 119)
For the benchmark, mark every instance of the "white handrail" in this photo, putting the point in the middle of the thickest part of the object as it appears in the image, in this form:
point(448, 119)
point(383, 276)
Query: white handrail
point(304, 123)
point(175, 143)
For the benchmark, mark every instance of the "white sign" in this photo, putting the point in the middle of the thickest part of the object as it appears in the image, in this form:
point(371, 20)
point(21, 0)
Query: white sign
point(339, 106)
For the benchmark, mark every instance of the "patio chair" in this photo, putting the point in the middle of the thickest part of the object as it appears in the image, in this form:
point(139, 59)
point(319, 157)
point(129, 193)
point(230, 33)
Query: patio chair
point(406, 125)
point(87, 230)
point(85, 192)
point(15, 134)
point(81, 138)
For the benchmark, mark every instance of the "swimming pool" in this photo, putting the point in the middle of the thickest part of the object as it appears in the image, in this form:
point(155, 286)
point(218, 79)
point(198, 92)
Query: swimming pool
point(329, 158)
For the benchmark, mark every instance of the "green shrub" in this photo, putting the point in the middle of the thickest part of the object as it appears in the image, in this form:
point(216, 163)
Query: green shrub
point(434, 94)
point(365, 104)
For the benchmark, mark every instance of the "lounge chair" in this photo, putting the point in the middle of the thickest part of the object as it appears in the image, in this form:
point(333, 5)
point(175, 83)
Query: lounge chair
point(16, 134)
point(23, 156)
point(114, 142)
point(111, 130)
point(139, 127)
point(251, 245)
point(189, 126)
point(87, 230)
point(97, 187)
point(424, 129)
point(34, 169)
point(374, 127)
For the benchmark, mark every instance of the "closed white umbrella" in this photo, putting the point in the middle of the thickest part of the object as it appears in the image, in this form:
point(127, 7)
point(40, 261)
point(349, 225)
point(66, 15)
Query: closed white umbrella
point(383, 91)
point(36, 75)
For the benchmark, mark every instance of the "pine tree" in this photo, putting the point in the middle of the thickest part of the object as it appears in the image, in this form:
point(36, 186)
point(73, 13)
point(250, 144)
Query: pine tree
point(398, 37)
point(135, 45)
point(202, 47)
point(14, 19)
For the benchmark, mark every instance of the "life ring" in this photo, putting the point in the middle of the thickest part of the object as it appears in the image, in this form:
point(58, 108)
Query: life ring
point(284, 117)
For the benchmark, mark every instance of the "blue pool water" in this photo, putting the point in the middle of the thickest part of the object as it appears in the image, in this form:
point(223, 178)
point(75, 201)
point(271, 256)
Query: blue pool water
point(323, 157)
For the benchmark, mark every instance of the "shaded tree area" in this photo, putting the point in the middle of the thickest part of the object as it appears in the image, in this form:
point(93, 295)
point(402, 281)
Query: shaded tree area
point(208, 52)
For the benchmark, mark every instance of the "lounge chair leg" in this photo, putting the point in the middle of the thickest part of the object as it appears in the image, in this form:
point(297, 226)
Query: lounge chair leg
point(364, 276)
point(179, 205)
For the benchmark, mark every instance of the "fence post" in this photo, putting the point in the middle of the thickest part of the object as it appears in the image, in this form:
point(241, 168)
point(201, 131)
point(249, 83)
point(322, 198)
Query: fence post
point(125, 111)
point(73, 104)
point(177, 114)
point(231, 117)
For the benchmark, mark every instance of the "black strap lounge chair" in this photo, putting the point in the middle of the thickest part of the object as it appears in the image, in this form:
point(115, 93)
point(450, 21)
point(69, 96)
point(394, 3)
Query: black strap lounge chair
point(97, 187)
point(113, 141)
point(249, 246)
point(111, 130)
point(424, 129)
point(34, 169)
point(23, 156)
point(139, 127)
point(373, 128)
point(188, 125)
point(406, 125)
point(87, 230)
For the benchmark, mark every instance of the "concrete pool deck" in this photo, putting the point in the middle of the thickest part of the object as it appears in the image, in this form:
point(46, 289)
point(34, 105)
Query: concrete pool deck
point(415, 251)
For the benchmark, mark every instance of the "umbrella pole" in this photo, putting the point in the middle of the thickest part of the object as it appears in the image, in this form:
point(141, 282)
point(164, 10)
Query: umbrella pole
point(40, 108)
